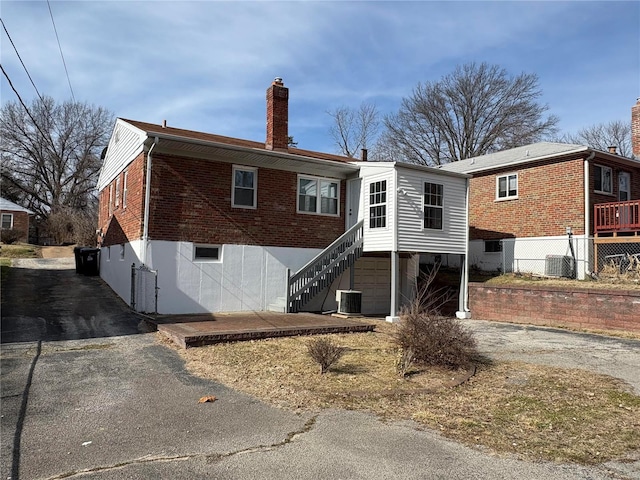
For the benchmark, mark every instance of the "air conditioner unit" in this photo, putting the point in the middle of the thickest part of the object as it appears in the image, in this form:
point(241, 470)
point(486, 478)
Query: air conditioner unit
point(349, 302)
point(558, 266)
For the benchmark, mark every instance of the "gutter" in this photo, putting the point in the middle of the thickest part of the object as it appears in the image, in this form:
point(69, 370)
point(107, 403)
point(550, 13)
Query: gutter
point(147, 199)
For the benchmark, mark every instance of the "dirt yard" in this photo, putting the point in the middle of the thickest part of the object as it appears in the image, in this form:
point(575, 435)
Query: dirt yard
point(57, 252)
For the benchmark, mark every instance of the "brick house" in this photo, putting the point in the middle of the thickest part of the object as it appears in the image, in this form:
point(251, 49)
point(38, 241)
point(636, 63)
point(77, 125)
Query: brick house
point(524, 201)
point(233, 225)
point(15, 217)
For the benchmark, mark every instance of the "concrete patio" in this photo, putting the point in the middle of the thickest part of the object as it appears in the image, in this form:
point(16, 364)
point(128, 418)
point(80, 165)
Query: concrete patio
point(204, 329)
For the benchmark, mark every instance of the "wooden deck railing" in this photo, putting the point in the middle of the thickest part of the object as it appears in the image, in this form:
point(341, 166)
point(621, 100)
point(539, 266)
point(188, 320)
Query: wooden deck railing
point(617, 217)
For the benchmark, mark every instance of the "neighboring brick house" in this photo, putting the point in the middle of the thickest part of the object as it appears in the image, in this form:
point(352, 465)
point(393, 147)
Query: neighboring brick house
point(232, 224)
point(524, 201)
point(15, 217)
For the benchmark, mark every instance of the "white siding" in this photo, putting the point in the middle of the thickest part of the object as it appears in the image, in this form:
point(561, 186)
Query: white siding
point(412, 237)
point(125, 145)
point(378, 239)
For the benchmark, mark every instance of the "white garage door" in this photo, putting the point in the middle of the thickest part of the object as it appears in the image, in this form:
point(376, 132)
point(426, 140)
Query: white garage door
point(373, 279)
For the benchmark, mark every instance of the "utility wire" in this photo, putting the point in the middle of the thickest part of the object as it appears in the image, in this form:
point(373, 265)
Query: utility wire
point(46, 137)
point(20, 58)
point(60, 47)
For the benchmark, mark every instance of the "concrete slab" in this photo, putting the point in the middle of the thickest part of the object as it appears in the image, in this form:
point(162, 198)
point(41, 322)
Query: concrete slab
point(197, 330)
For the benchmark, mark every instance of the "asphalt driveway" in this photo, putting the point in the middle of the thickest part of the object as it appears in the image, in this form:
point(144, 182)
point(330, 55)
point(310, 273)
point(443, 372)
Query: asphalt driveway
point(87, 393)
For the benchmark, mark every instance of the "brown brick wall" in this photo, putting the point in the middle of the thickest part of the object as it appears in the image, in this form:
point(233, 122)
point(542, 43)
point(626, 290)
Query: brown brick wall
point(556, 306)
point(195, 205)
point(125, 223)
point(550, 198)
point(20, 223)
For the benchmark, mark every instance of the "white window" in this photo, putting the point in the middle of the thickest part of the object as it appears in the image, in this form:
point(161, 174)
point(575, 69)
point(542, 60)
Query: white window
point(433, 205)
point(602, 179)
point(117, 191)
point(318, 195)
point(7, 221)
point(207, 253)
point(122, 251)
point(378, 204)
point(507, 186)
point(124, 189)
point(624, 182)
point(245, 181)
point(111, 199)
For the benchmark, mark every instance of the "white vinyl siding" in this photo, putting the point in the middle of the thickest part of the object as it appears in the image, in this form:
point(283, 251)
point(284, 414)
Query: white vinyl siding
point(125, 145)
point(378, 239)
point(412, 237)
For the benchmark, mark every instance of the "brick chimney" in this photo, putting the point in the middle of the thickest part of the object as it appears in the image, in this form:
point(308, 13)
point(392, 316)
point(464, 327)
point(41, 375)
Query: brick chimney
point(277, 116)
point(635, 129)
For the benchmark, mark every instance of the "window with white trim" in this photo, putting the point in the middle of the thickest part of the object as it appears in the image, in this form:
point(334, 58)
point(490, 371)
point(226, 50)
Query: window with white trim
point(378, 204)
point(318, 195)
point(203, 253)
point(111, 199)
point(7, 221)
point(244, 190)
point(124, 189)
point(602, 179)
point(507, 186)
point(118, 191)
point(122, 251)
point(433, 205)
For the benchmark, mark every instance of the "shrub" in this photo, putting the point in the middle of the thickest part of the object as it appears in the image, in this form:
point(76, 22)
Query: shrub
point(10, 236)
point(428, 338)
point(324, 352)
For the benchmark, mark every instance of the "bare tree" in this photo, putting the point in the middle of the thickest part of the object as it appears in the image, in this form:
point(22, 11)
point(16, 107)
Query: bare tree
point(475, 110)
point(51, 154)
point(602, 136)
point(354, 129)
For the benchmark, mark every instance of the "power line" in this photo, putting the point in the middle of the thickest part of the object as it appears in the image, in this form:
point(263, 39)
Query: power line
point(46, 137)
point(61, 54)
point(20, 58)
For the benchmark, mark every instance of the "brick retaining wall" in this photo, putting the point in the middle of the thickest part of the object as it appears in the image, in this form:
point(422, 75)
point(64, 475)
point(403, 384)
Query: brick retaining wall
point(559, 306)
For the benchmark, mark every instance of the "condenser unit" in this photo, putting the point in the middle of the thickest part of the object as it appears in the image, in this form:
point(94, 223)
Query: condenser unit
point(558, 266)
point(349, 302)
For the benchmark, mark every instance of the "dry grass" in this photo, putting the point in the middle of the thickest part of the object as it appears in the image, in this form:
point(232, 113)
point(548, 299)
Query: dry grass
point(528, 280)
point(534, 411)
point(20, 250)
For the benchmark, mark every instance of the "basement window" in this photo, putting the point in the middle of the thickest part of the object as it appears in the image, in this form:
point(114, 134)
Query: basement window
point(492, 246)
point(203, 253)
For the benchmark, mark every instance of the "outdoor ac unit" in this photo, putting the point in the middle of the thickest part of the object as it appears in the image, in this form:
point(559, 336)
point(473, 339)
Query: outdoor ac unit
point(558, 266)
point(349, 302)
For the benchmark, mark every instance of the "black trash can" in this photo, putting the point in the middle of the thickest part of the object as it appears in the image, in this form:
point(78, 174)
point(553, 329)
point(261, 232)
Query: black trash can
point(90, 261)
point(76, 254)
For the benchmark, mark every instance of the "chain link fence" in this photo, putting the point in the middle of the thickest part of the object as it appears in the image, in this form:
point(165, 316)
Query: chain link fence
point(570, 257)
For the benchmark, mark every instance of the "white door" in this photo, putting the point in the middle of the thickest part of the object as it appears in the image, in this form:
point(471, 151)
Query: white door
point(353, 201)
point(373, 279)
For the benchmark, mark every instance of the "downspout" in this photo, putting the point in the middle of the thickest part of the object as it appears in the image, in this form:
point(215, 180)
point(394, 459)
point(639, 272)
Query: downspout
point(395, 266)
point(147, 199)
point(463, 301)
point(587, 210)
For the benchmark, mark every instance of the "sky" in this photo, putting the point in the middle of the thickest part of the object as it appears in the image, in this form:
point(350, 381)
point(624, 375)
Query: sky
point(206, 65)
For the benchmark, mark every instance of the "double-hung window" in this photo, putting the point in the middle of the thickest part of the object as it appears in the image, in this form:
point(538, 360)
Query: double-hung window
point(124, 189)
point(507, 186)
point(318, 195)
point(602, 179)
point(118, 191)
point(378, 204)
point(433, 205)
point(7, 221)
point(244, 191)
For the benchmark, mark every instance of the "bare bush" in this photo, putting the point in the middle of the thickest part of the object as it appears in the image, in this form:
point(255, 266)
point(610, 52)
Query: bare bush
point(10, 236)
point(431, 338)
point(324, 352)
point(405, 360)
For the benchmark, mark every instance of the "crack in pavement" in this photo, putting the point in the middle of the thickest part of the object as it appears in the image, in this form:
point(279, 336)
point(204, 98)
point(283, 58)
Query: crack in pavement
point(210, 458)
